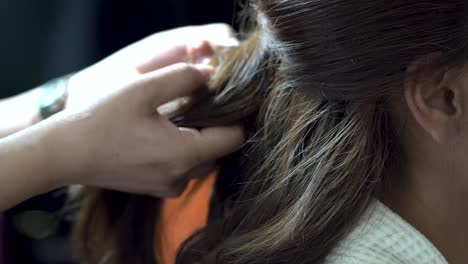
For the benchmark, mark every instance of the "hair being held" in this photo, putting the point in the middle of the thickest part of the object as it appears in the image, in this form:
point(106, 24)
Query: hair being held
point(314, 84)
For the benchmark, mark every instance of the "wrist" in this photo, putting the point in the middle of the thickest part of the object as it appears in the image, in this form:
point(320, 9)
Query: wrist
point(28, 162)
point(53, 155)
point(52, 152)
point(67, 151)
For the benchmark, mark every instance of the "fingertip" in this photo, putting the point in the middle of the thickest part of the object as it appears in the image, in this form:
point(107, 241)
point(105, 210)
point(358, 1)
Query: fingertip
point(211, 143)
point(238, 133)
point(231, 137)
point(236, 130)
point(199, 51)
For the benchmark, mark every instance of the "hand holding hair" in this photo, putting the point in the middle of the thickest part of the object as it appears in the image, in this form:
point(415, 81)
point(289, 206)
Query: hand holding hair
point(110, 133)
point(131, 147)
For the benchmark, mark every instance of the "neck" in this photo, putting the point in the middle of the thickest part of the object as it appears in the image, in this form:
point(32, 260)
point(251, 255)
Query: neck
point(435, 203)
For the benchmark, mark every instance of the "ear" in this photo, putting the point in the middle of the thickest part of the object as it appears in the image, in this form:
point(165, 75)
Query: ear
point(436, 103)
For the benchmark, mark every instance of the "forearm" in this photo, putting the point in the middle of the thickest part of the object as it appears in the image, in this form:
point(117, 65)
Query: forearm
point(27, 166)
point(18, 112)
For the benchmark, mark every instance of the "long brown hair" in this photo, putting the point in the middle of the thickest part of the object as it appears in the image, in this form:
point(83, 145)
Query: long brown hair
point(313, 83)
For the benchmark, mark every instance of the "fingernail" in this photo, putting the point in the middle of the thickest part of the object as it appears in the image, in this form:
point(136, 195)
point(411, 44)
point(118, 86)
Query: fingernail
point(205, 70)
point(199, 51)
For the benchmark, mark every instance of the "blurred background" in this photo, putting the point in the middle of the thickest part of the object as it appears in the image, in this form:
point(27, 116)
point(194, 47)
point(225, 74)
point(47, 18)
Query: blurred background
point(41, 40)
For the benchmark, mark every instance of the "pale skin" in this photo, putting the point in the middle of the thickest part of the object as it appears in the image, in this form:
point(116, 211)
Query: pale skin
point(114, 136)
point(432, 194)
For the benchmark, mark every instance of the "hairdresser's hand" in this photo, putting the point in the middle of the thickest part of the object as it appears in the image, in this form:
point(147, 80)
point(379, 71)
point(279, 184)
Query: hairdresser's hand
point(121, 142)
point(147, 55)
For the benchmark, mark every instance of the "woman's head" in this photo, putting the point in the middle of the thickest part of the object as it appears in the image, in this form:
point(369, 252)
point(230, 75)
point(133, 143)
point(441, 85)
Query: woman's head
point(318, 85)
point(403, 60)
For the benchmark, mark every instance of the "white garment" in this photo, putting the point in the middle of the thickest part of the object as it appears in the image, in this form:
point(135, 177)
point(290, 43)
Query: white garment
point(381, 236)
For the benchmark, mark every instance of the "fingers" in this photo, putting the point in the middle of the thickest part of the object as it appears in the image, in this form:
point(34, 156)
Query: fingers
point(210, 144)
point(177, 47)
point(172, 82)
point(200, 51)
point(164, 58)
point(179, 53)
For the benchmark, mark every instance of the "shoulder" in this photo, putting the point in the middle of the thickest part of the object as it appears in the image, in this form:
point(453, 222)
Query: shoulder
point(381, 236)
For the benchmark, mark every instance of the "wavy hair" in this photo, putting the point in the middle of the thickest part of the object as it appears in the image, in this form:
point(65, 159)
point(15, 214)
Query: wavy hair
point(313, 82)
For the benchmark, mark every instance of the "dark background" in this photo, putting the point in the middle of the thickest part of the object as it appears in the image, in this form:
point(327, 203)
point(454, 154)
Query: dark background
point(40, 40)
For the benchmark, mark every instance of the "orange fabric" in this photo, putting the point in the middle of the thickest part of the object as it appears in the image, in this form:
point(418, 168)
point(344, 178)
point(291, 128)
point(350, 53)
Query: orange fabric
point(181, 217)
